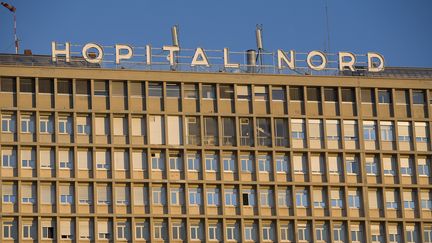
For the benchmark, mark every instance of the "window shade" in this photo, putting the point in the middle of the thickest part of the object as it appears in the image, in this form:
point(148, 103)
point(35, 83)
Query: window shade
point(139, 160)
point(407, 196)
point(118, 126)
point(121, 160)
point(373, 199)
point(26, 191)
point(100, 125)
point(390, 196)
point(421, 129)
point(297, 125)
point(137, 126)
point(65, 227)
point(102, 227)
point(84, 158)
point(403, 129)
point(242, 90)
point(84, 192)
point(387, 163)
point(139, 195)
point(121, 193)
point(350, 128)
point(318, 195)
point(332, 127)
point(46, 194)
point(84, 228)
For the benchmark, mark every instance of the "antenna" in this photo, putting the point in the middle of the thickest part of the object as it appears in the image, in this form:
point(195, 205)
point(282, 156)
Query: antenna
point(327, 47)
point(13, 10)
point(175, 42)
point(174, 35)
point(259, 42)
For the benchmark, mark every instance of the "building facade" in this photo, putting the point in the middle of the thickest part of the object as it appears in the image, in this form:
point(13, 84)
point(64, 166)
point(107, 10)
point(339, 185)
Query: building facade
point(97, 155)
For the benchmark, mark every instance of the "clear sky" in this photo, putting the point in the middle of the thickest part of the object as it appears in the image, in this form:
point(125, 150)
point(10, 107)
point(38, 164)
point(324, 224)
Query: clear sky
point(401, 30)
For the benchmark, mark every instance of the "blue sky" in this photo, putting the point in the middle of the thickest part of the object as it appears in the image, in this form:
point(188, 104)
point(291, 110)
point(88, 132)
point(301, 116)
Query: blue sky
point(399, 29)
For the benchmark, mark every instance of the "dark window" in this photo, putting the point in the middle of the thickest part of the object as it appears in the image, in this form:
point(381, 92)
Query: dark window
point(8, 84)
point(118, 88)
point(101, 88)
point(190, 91)
point(226, 91)
point(137, 89)
point(313, 94)
point(418, 97)
point(245, 199)
point(82, 87)
point(367, 95)
point(348, 95)
point(173, 90)
point(27, 85)
point(46, 86)
point(384, 96)
point(278, 93)
point(402, 97)
point(330, 94)
point(208, 91)
point(155, 89)
point(296, 93)
point(64, 86)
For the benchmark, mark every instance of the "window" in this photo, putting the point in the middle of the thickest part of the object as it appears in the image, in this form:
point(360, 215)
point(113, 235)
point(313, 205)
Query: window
point(394, 235)
point(82, 126)
point(297, 129)
point(302, 232)
point(318, 196)
point(408, 200)
point(193, 130)
point(418, 97)
point(46, 86)
point(26, 231)
point(386, 131)
point(194, 232)
point(157, 231)
point(300, 164)
point(175, 196)
point(283, 198)
point(157, 195)
point(248, 197)
point(248, 232)
point(212, 232)
point(230, 197)
point(8, 158)
point(230, 232)
point(8, 123)
point(427, 234)
point(348, 95)
point(176, 231)
point(194, 196)
point(278, 93)
point(173, 90)
point(331, 94)
point(193, 162)
point(317, 164)
point(82, 87)
point(175, 162)
point(266, 232)
point(320, 232)
point(402, 97)
point(104, 195)
point(101, 88)
point(140, 229)
point(335, 166)
point(47, 232)
point(27, 123)
point(213, 196)
point(64, 86)
point(264, 164)
point(423, 167)
point(45, 125)
point(211, 162)
point(302, 198)
point(352, 165)
point(296, 93)
point(406, 166)
point(155, 90)
point(190, 91)
point(7, 230)
point(8, 84)
point(411, 234)
point(66, 199)
point(137, 89)
point(27, 85)
point(103, 160)
point(371, 166)
point(356, 234)
point(281, 164)
point(367, 95)
point(229, 131)
point(208, 91)
point(391, 200)
point(229, 163)
point(122, 231)
point(384, 96)
point(354, 199)
point(246, 163)
point(8, 193)
point(336, 199)
point(263, 131)
point(64, 125)
point(350, 130)
point(226, 91)
point(261, 93)
point(157, 161)
point(246, 132)
point(421, 132)
point(369, 130)
point(313, 94)
point(338, 233)
point(284, 233)
point(243, 92)
point(85, 194)
point(210, 131)
point(280, 132)
point(27, 159)
point(333, 130)
point(389, 165)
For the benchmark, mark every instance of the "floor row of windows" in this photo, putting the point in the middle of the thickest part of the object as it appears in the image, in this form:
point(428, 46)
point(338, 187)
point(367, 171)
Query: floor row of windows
point(214, 230)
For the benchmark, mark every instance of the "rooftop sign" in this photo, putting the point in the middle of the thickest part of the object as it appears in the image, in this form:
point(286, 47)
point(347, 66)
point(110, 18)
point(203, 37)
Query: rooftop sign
point(223, 60)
